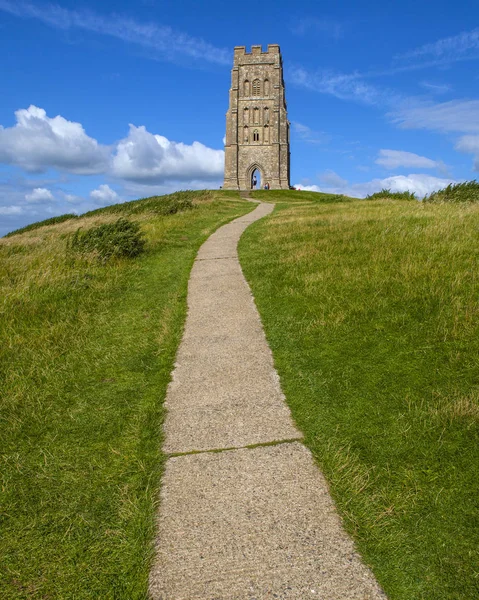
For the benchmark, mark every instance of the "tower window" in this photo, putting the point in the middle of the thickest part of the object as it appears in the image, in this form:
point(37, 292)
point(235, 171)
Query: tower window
point(255, 135)
point(256, 88)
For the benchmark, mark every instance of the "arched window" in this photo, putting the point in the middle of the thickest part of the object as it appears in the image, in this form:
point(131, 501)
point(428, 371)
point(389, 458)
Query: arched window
point(266, 114)
point(266, 87)
point(246, 134)
point(256, 88)
point(266, 135)
point(256, 115)
point(246, 88)
point(255, 135)
point(246, 116)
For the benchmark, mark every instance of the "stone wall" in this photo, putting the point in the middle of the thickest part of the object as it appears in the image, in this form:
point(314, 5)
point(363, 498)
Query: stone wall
point(257, 127)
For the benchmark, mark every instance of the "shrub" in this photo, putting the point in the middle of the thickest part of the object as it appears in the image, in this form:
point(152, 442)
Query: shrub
point(122, 238)
point(386, 193)
point(38, 224)
point(468, 191)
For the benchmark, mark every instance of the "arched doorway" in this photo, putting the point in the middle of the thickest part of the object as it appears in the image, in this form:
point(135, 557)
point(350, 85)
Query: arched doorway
point(256, 179)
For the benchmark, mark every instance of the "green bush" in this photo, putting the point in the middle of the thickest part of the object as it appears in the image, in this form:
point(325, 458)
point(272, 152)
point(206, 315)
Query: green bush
point(122, 238)
point(468, 191)
point(51, 221)
point(386, 193)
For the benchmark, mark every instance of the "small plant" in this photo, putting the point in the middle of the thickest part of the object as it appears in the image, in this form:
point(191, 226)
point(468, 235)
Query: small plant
point(386, 193)
point(122, 238)
point(38, 224)
point(468, 191)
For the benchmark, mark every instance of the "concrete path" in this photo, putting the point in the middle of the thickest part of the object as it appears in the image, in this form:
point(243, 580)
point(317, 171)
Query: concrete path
point(245, 514)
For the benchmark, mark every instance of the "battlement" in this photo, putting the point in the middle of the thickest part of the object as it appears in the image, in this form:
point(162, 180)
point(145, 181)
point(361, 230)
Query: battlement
point(240, 51)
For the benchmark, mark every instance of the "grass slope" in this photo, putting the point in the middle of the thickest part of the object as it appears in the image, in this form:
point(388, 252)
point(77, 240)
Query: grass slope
point(86, 355)
point(371, 310)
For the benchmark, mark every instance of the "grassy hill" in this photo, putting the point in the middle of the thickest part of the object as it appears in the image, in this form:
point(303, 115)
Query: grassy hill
point(371, 310)
point(86, 351)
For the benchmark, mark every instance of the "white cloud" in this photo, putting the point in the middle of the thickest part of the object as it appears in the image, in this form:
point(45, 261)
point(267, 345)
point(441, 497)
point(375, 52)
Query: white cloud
point(148, 158)
point(470, 144)
point(392, 159)
point(420, 184)
point(453, 116)
point(38, 142)
point(162, 40)
point(457, 47)
point(104, 195)
point(309, 135)
point(39, 195)
point(11, 210)
point(435, 88)
point(346, 86)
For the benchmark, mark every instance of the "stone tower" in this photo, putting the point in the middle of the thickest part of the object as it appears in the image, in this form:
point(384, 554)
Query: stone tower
point(257, 127)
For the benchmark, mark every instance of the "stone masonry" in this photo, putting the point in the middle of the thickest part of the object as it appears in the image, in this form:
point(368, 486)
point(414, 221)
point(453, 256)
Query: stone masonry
point(257, 127)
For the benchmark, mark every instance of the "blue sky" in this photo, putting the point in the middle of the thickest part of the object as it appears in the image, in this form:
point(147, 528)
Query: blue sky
point(104, 102)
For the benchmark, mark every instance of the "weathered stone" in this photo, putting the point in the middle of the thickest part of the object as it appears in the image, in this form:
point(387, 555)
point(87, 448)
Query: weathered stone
point(257, 127)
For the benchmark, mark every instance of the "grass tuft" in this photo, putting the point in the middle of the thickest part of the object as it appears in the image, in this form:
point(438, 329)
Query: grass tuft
point(119, 239)
point(386, 194)
point(468, 191)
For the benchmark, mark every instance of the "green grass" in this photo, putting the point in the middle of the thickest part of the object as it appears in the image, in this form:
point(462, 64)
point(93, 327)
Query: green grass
point(467, 191)
point(372, 313)
point(44, 223)
point(297, 196)
point(386, 194)
point(85, 357)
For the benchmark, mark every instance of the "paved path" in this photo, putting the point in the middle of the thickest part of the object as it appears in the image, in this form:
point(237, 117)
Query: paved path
point(245, 514)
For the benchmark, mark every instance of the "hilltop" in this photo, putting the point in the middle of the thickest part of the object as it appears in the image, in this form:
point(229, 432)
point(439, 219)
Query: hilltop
point(371, 310)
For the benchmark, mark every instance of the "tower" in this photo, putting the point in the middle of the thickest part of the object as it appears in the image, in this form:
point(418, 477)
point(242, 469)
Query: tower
point(257, 127)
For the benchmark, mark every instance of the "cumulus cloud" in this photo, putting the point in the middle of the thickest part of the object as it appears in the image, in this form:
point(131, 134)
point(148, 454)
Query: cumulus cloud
point(420, 184)
point(392, 159)
point(104, 195)
point(148, 158)
point(37, 142)
point(39, 195)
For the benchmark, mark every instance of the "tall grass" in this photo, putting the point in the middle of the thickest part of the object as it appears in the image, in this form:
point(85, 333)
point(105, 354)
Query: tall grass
point(86, 351)
point(387, 194)
point(468, 191)
point(372, 313)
